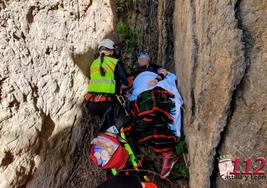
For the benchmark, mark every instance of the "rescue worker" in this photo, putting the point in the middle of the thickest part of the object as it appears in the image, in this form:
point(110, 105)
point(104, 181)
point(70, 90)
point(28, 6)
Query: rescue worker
point(107, 76)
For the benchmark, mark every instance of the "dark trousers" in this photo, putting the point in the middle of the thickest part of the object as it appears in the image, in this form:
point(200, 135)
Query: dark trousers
point(111, 113)
point(98, 108)
point(102, 110)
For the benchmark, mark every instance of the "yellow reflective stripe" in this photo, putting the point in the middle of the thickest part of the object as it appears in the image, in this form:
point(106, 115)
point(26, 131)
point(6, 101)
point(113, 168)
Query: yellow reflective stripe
point(113, 64)
point(102, 81)
point(110, 68)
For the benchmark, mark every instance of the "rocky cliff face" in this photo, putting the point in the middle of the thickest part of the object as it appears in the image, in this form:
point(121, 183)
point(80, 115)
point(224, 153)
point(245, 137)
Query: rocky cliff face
point(218, 49)
point(245, 133)
point(220, 58)
point(155, 21)
point(44, 50)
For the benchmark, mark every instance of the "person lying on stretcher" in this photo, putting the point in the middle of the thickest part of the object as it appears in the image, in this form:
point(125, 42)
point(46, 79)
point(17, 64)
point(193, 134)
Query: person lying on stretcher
point(152, 104)
point(144, 63)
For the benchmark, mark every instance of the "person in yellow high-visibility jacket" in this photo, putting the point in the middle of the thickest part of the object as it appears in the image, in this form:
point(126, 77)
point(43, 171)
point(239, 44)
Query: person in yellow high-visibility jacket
point(107, 76)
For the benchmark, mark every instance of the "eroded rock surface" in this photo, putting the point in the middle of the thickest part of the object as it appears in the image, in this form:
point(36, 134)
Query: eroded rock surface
point(44, 50)
point(154, 19)
point(220, 54)
point(220, 58)
point(246, 133)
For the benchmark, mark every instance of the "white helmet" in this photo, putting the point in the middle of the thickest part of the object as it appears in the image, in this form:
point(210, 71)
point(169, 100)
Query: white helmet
point(106, 43)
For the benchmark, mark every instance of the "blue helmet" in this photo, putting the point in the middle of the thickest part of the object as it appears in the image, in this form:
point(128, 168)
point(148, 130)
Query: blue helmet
point(142, 54)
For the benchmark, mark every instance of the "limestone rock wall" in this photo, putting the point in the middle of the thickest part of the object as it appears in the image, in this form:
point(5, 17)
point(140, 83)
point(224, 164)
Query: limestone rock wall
point(220, 59)
point(154, 19)
point(219, 52)
point(44, 56)
point(246, 133)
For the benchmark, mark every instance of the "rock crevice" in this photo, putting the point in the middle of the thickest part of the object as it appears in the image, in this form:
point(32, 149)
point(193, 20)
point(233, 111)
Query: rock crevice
point(217, 49)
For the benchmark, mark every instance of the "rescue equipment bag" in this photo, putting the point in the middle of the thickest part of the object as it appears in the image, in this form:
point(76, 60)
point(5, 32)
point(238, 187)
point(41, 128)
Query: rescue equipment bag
point(107, 152)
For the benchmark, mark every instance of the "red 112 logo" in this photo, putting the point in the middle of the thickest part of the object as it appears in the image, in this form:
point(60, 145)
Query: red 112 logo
point(258, 171)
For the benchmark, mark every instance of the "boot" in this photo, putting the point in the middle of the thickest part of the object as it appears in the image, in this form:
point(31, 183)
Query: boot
point(169, 160)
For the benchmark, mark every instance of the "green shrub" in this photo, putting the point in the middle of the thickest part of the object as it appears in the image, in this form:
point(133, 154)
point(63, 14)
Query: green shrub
point(121, 27)
point(180, 168)
point(182, 171)
point(181, 147)
point(128, 35)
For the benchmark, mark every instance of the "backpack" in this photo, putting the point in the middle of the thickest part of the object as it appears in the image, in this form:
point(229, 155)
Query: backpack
point(107, 152)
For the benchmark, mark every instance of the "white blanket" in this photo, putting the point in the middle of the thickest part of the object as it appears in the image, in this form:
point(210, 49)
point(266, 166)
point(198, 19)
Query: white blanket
point(141, 84)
